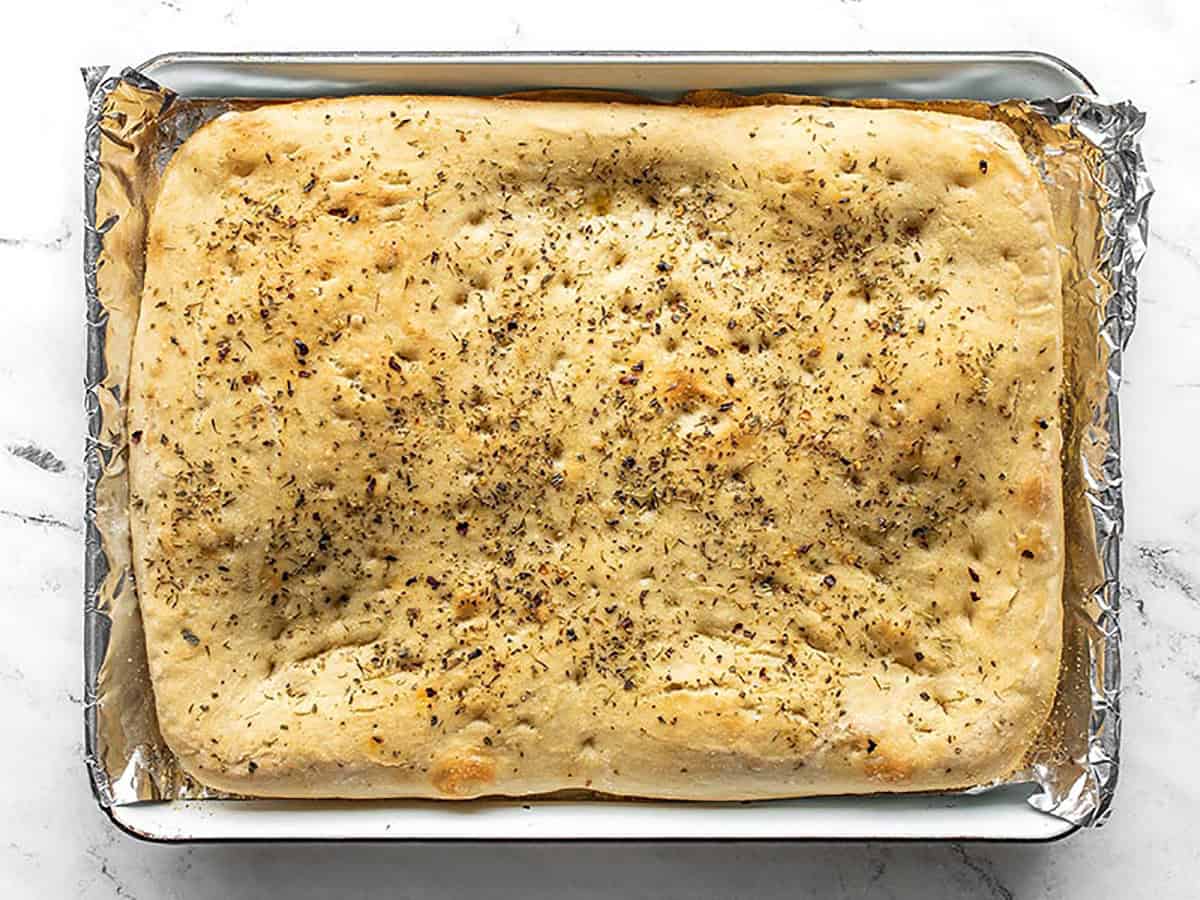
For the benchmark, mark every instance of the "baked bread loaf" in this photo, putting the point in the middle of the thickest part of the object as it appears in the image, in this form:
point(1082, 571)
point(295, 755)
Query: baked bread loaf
point(503, 447)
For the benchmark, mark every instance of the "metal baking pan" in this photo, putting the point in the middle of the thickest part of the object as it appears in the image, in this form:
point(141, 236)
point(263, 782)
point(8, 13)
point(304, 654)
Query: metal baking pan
point(1001, 814)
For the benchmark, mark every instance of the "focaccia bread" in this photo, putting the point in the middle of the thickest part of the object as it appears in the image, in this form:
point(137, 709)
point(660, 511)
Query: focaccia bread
point(503, 447)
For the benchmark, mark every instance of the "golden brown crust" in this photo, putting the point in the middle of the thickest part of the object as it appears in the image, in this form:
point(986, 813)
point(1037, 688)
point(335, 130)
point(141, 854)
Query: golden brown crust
point(488, 446)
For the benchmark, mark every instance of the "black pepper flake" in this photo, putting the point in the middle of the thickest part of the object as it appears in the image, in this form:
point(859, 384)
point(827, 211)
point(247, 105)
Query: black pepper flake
point(301, 347)
point(312, 183)
point(394, 364)
point(432, 582)
point(340, 211)
point(983, 166)
point(829, 581)
point(871, 745)
point(663, 266)
point(252, 767)
point(1028, 554)
point(462, 527)
point(974, 597)
point(475, 654)
point(918, 656)
point(136, 436)
point(1043, 424)
point(189, 637)
point(974, 575)
point(729, 379)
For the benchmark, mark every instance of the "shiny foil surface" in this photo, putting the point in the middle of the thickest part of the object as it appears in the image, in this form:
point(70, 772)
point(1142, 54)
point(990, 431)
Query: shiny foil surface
point(1090, 160)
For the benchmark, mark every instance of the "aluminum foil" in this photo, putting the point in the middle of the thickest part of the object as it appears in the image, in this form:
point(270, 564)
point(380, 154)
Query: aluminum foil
point(1090, 161)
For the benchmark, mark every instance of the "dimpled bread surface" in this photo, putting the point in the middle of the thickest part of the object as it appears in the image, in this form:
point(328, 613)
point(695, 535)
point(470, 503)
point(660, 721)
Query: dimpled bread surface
point(504, 447)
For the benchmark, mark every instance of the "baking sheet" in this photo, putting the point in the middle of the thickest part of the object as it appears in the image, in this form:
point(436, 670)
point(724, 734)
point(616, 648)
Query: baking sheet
point(1089, 157)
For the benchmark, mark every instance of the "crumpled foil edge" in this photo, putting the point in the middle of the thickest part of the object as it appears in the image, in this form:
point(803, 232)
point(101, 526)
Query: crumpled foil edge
point(106, 576)
point(1115, 129)
point(96, 452)
point(143, 769)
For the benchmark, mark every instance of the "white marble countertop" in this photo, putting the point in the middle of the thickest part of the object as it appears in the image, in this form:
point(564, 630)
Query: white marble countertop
point(53, 840)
